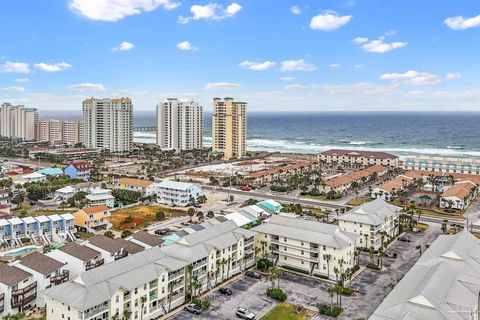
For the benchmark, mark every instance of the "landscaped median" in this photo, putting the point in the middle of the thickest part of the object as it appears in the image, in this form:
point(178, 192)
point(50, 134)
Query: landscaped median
point(288, 311)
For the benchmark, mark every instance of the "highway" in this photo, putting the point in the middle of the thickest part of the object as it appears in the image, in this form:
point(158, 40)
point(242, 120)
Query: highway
point(262, 195)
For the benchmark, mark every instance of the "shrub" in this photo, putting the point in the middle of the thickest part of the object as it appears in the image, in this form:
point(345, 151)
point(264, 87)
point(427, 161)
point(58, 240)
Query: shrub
point(264, 264)
point(109, 234)
point(328, 311)
point(160, 215)
point(204, 304)
point(126, 233)
point(277, 294)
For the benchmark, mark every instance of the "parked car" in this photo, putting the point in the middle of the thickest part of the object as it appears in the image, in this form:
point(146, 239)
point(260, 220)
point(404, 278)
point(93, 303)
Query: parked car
point(162, 232)
point(404, 239)
point(245, 313)
point(253, 275)
point(225, 291)
point(193, 308)
point(246, 188)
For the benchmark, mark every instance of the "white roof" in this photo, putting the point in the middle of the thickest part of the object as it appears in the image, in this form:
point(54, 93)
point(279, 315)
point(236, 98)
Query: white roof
point(4, 222)
point(443, 284)
point(239, 218)
point(54, 217)
point(15, 221)
point(29, 220)
point(42, 219)
point(102, 196)
point(169, 184)
point(371, 213)
point(97, 191)
point(67, 189)
point(254, 210)
point(33, 175)
point(67, 216)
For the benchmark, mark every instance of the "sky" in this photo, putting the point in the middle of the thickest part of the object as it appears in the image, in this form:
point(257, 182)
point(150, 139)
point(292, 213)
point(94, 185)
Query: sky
point(317, 55)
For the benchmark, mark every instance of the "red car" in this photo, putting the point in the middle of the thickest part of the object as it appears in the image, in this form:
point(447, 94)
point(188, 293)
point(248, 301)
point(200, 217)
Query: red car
point(246, 188)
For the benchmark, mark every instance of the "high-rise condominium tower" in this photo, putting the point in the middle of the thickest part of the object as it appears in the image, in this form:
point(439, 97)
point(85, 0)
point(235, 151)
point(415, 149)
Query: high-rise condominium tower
point(179, 124)
point(61, 132)
point(18, 122)
point(229, 128)
point(108, 124)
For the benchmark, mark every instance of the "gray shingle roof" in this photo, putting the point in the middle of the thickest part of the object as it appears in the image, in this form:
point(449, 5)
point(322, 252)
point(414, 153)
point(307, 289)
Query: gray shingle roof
point(372, 213)
point(10, 275)
point(147, 238)
point(41, 263)
point(311, 231)
point(130, 247)
point(443, 284)
point(83, 253)
point(105, 243)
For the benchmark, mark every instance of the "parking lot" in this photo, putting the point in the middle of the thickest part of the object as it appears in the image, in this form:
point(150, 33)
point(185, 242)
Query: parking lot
point(372, 285)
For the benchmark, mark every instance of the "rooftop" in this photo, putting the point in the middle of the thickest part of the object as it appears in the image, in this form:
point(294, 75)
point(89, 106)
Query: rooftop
point(80, 252)
point(372, 213)
point(41, 263)
point(11, 275)
point(147, 238)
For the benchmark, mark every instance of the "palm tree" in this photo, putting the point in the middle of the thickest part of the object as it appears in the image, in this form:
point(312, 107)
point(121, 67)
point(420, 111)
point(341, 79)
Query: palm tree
point(370, 254)
point(223, 263)
point(143, 300)
point(229, 260)
point(170, 291)
point(273, 276)
point(200, 216)
point(116, 317)
point(331, 292)
point(327, 258)
point(127, 314)
point(190, 213)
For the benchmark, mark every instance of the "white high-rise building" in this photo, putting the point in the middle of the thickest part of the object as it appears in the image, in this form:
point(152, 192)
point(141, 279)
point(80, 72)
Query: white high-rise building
point(72, 132)
point(108, 124)
point(18, 122)
point(179, 124)
point(61, 132)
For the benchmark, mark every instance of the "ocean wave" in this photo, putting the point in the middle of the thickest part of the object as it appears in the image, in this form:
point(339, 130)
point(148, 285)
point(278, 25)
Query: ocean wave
point(273, 145)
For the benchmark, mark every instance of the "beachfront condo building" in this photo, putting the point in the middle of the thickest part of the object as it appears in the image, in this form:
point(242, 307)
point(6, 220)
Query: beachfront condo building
point(442, 164)
point(375, 222)
point(60, 132)
point(108, 124)
point(311, 247)
point(18, 122)
point(179, 125)
point(358, 158)
point(229, 128)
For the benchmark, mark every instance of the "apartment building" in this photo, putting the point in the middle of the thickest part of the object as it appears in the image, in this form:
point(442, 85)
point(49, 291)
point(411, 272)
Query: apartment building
point(343, 184)
point(57, 228)
point(281, 172)
point(108, 124)
point(146, 188)
point(60, 132)
point(77, 258)
point(229, 128)
point(18, 122)
point(442, 164)
point(314, 247)
point(72, 132)
point(443, 284)
point(389, 190)
point(459, 195)
point(358, 158)
point(18, 289)
point(174, 193)
point(94, 218)
point(160, 275)
point(179, 125)
point(372, 221)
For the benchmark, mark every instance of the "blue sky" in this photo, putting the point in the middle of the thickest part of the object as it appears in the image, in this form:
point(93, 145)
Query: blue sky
point(277, 55)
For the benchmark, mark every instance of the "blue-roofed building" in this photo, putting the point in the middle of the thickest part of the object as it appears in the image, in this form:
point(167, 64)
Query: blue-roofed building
point(78, 170)
point(271, 205)
point(50, 171)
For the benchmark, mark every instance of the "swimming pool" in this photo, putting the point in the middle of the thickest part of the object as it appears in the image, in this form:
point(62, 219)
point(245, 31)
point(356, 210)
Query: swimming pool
point(19, 251)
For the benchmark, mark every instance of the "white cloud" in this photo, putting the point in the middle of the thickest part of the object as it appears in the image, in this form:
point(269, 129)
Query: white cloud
point(22, 80)
point(379, 45)
point(360, 40)
point(257, 66)
point(186, 46)
point(329, 21)
point(296, 86)
point(295, 10)
point(335, 65)
point(13, 89)
point(211, 11)
point(124, 46)
point(413, 77)
point(358, 66)
point(87, 86)
point(453, 76)
point(114, 10)
point(15, 67)
point(462, 23)
point(297, 65)
point(53, 67)
point(287, 78)
point(221, 86)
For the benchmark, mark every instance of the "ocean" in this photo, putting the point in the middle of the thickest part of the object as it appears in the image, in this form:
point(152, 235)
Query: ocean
point(400, 133)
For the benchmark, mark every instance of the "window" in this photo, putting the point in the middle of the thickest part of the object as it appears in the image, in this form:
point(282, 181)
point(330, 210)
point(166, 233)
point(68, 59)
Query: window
point(117, 299)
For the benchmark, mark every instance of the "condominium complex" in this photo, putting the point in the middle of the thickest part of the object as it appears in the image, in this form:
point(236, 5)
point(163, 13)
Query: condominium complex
point(108, 124)
point(229, 128)
point(374, 222)
point(175, 193)
point(442, 164)
point(313, 247)
point(357, 158)
point(443, 284)
point(60, 132)
point(152, 282)
point(180, 125)
point(18, 122)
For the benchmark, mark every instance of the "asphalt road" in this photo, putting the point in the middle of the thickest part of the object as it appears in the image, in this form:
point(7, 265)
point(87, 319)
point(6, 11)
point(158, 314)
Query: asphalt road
point(256, 194)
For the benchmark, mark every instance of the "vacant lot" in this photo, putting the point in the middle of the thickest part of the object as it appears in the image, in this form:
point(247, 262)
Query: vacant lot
point(287, 311)
point(141, 216)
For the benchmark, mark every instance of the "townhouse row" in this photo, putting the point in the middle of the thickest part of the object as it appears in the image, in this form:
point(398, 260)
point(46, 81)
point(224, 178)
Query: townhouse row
point(282, 172)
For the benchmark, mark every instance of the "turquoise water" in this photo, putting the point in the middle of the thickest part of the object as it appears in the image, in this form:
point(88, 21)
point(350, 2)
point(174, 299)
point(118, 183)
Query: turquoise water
point(20, 251)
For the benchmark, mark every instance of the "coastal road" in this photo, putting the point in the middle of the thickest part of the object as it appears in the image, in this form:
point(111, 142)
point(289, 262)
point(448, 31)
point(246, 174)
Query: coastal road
point(262, 195)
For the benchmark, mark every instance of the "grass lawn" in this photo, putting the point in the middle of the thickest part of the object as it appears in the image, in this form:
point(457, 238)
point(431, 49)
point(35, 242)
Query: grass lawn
point(319, 212)
point(84, 235)
point(142, 216)
point(286, 311)
point(477, 235)
point(314, 197)
point(25, 206)
point(359, 201)
point(439, 214)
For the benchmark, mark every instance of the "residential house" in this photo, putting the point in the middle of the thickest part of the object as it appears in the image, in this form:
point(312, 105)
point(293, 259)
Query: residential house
point(145, 239)
point(110, 249)
point(99, 196)
point(79, 170)
point(373, 221)
point(18, 289)
point(146, 188)
point(30, 177)
point(314, 247)
point(92, 219)
point(77, 258)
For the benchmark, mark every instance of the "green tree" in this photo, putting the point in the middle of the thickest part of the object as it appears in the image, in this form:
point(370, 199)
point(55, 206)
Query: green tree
point(109, 234)
point(190, 213)
point(160, 215)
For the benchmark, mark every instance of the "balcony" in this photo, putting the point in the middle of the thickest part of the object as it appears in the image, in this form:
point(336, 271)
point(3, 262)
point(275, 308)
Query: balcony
point(24, 291)
point(121, 255)
point(22, 301)
point(91, 265)
point(60, 278)
point(2, 302)
point(95, 310)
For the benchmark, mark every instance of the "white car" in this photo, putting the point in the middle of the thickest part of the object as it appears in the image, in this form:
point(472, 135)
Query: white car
point(245, 313)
